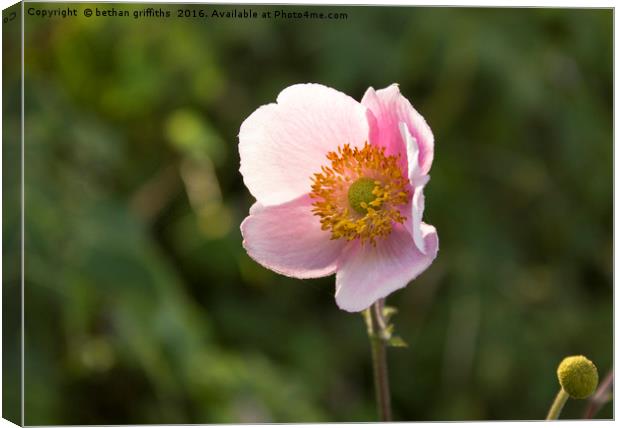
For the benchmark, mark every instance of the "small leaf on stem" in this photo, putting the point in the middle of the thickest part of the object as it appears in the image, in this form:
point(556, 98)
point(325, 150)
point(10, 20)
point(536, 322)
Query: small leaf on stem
point(397, 342)
point(388, 312)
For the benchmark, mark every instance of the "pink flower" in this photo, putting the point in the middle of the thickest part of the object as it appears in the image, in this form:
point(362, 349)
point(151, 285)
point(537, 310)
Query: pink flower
point(339, 189)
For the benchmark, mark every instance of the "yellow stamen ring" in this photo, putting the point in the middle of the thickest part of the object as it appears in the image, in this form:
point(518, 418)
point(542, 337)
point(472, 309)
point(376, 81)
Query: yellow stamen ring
point(359, 194)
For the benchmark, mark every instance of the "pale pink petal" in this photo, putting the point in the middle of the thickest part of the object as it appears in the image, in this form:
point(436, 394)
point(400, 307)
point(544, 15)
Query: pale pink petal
point(417, 181)
point(413, 152)
point(389, 108)
point(417, 210)
point(367, 273)
point(288, 239)
point(282, 145)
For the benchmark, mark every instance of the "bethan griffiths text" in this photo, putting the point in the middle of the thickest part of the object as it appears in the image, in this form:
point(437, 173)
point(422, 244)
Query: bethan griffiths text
point(188, 13)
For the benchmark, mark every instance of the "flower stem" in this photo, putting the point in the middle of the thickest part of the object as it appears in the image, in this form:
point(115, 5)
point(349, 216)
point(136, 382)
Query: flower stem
point(378, 336)
point(558, 404)
point(601, 396)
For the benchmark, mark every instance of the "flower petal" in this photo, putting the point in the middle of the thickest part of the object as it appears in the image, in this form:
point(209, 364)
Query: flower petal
point(390, 108)
point(282, 145)
point(415, 209)
point(369, 273)
point(288, 239)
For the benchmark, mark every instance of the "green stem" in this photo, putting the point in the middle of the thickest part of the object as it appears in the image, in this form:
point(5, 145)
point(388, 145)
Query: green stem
point(558, 404)
point(378, 335)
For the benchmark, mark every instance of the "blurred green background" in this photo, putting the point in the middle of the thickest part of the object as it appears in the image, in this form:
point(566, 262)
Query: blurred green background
point(141, 305)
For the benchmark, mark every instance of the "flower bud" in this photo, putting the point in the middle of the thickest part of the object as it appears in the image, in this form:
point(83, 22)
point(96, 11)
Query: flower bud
point(578, 376)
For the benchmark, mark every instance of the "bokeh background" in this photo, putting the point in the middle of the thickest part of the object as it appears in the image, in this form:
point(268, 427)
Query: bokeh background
point(141, 305)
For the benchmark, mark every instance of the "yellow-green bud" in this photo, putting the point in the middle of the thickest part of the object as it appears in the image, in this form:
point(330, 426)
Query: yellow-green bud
point(578, 376)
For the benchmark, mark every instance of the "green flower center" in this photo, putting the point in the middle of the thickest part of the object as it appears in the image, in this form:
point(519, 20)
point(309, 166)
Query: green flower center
point(361, 195)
